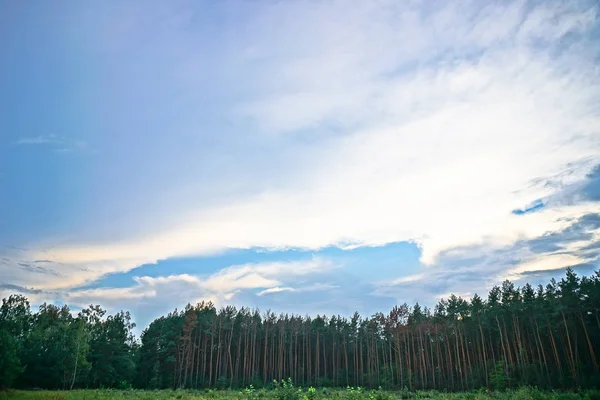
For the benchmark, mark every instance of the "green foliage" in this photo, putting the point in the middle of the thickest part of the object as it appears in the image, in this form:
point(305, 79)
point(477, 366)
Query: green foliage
point(525, 393)
point(542, 337)
point(354, 393)
point(250, 393)
point(380, 394)
point(592, 395)
point(529, 393)
point(285, 390)
point(14, 327)
point(498, 378)
point(10, 365)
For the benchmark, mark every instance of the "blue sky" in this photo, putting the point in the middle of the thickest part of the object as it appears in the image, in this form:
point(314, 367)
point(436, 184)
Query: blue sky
point(302, 156)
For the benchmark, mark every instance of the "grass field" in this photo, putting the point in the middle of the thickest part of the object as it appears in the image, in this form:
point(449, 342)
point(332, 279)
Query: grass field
point(297, 394)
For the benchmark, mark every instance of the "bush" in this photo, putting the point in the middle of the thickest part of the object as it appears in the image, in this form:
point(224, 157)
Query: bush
point(285, 390)
point(354, 393)
point(380, 394)
point(498, 378)
point(592, 395)
point(566, 396)
point(311, 393)
point(249, 393)
point(529, 393)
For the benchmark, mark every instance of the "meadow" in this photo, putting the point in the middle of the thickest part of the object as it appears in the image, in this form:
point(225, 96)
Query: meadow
point(297, 394)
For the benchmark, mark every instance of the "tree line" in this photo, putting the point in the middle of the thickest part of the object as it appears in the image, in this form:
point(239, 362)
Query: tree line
point(545, 336)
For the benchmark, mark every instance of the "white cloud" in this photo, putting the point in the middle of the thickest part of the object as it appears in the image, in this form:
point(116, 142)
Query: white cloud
point(309, 288)
point(422, 126)
point(477, 268)
point(106, 294)
point(150, 297)
point(42, 139)
point(547, 262)
point(408, 278)
point(59, 144)
point(276, 289)
point(219, 287)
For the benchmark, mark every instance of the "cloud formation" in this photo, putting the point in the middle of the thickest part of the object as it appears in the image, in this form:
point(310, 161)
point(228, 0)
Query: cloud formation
point(475, 269)
point(164, 292)
point(43, 139)
point(58, 144)
point(445, 124)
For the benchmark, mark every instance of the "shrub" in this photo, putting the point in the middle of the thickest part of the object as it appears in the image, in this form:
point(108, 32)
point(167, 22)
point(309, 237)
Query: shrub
point(311, 393)
point(249, 393)
point(285, 390)
point(529, 393)
point(498, 378)
point(592, 395)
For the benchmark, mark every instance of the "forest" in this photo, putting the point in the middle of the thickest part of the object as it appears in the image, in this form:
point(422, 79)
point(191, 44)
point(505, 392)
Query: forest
point(545, 336)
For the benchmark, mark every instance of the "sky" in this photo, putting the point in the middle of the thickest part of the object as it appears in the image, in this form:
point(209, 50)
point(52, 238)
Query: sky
point(306, 157)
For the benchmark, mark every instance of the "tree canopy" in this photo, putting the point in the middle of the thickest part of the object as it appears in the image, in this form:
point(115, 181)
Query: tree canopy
point(547, 336)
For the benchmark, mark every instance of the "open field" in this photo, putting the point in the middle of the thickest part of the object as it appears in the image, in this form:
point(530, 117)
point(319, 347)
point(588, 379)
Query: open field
point(298, 394)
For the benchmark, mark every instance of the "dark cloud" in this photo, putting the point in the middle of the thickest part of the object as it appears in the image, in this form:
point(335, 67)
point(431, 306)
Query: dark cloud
point(20, 289)
point(17, 248)
point(532, 277)
point(474, 269)
point(590, 221)
point(31, 267)
point(580, 230)
point(587, 189)
point(567, 194)
point(591, 247)
point(591, 189)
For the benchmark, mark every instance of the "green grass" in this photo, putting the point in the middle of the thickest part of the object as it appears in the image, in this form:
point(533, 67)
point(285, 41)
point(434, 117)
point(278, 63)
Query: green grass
point(294, 394)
